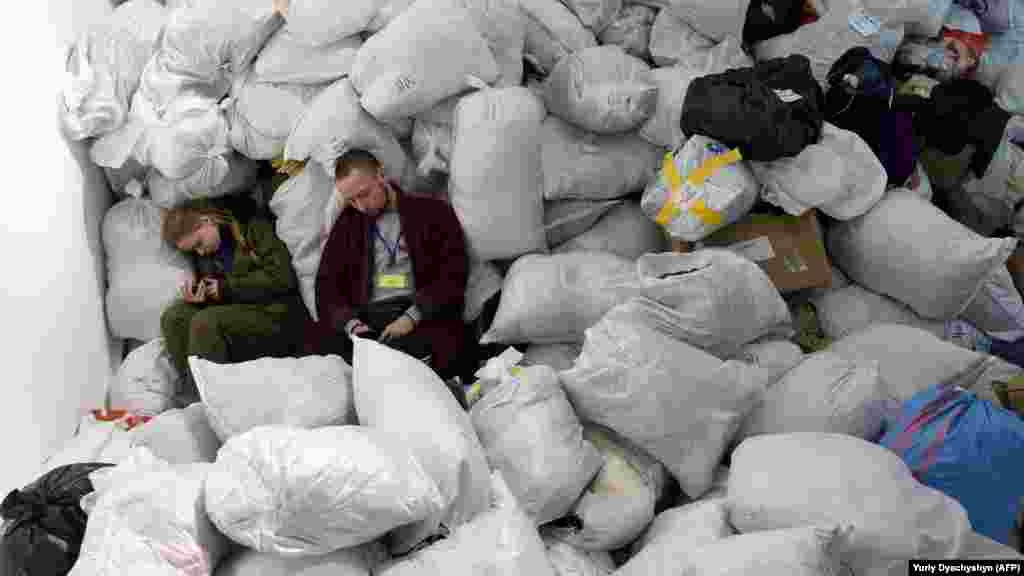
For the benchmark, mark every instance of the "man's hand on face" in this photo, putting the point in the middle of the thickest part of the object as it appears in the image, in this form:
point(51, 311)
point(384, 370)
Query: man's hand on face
point(400, 327)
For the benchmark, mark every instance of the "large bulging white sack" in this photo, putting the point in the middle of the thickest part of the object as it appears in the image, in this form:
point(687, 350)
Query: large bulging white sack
point(429, 422)
point(568, 560)
point(910, 360)
point(262, 115)
point(595, 14)
point(601, 89)
point(677, 402)
point(558, 356)
point(232, 174)
point(286, 60)
point(552, 299)
point(771, 353)
point(716, 20)
point(624, 231)
point(335, 123)
point(307, 392)
point(676, 532)
point(484, 283)
point(531, 434)
point(210, 41)
point(691, 208)
point(180, 436)
point(500, 540)
point(585, 165)
point(673, 39)
point(143, 271)
point(832, 35)
point(824, 393)
point(306, 209)
point(191, 136)
point(998, 309)
point(663, 127)
point(104, 66)
point(552, 33)
point(620, 502)
point(905, 243)
point(840, 175)
point(318, 23)
point(854, 483)
point(429, 52)
point(147, 382)
point(496, 173)
point(851, 309)
point(296, 492)
point(631, 30)
point(148, 517)
point(347, 562)
point(503, 25)
point(567, 219)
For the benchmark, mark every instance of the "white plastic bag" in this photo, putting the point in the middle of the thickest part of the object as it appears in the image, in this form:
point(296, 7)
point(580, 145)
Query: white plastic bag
point(624, 231)
point(237, 174)
point(584, 165)
point(851, 309)
point(568, 560)
point(631, 30)
point(601, 89)
point(307, 392)
point(143, 271)
point(531, 434)
point(673, 39)
point(285, 59)
point(147, 382)
point(771, 353)
point(595, 14)
point(567, 219)
point(694, 196)
point(431, 147)
point(103, 68)
point(905, 243)
point(552, 33)
point(501, 540)
point(677, 402)
point(181, 436)
point(716, 20)
point(347, 562)
point(398, 394)
point(496, 173)
point(149, 517)
point(431, 51)
point(335, 123)
point(297, 492)
point(318, 23)
point(306, 209)
point(854, 483)
point(94, 441)
point(674, 533)
point(840, 175)
point(558, 356)
point(663, 127)
point(262, 116)
point(620, 502)
point(998, 309)
point(484, 282)
point(824, 393)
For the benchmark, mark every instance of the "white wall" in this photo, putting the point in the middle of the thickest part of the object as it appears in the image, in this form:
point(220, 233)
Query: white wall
point(59, 356)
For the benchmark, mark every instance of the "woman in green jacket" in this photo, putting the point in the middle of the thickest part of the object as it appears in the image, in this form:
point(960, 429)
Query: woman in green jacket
point(243, 303)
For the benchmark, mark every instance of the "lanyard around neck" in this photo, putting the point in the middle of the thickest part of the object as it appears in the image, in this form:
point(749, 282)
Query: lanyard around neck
point(392, 250)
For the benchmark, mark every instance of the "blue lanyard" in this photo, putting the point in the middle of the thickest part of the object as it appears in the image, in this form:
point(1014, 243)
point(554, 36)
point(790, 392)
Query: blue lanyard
point(392, 250)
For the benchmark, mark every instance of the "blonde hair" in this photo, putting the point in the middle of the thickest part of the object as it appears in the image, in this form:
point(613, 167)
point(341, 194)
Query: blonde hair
point(182, 221)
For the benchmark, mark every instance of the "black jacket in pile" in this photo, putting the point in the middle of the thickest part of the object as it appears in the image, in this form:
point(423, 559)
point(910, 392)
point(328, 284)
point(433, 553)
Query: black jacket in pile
point(770, 18)
point(773, 110)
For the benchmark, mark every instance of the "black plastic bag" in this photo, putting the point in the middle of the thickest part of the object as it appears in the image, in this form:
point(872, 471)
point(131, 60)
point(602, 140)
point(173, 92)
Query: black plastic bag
point(44, 524)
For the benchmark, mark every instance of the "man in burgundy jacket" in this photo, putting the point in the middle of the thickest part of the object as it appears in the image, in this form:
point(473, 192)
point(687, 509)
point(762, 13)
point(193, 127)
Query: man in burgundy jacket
point(394, 268)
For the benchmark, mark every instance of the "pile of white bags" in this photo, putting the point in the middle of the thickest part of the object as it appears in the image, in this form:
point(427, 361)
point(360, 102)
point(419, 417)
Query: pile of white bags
point(104, 66)
point(558, 356)
point(143, 271)
point(496, 173)
point(397, 394)
point(631, 30)
point(624, 231)
point(673, 39)
point(840, 175)
point(716, 20)
point(307, 392)
point(567, 219)
point(287, 60)
point(620, 502)
point(851, 309)
point(306, 208)
point(148, 517)
point(298, 492)
point(532, 436)
point(146, 382)
point(568, 560)
point(908, 249)
point(180, 436)
point(771, 353)
point(998, 309)
point(318, 23)
point(694, 195)
point(596, 15)
point(863, 486)
point(261, 115)
point(499, 540)
point(346, 562)
point(675, 532)
point(602, 89)
point(552, 33)
point(585, 165)
point(677, 402)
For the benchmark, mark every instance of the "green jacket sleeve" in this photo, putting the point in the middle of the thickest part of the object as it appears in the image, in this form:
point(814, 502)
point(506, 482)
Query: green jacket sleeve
point(267, 279)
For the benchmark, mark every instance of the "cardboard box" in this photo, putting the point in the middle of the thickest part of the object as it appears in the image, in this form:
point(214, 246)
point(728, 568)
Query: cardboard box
point(789, 249)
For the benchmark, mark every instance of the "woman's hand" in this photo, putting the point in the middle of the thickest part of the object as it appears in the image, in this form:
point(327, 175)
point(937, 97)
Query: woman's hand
point(400, 327)
point(213, 289)
point(193, 292)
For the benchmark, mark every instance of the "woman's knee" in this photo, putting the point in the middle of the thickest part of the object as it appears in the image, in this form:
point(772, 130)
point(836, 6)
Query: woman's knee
point(204, 325)
point(175, 318)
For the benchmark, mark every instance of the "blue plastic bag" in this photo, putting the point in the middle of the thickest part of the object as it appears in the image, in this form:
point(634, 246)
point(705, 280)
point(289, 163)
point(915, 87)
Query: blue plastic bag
point(968, 449)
